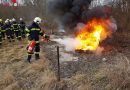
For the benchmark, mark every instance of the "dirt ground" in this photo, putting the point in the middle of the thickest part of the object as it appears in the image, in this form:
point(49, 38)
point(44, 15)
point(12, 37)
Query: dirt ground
point(79, 70)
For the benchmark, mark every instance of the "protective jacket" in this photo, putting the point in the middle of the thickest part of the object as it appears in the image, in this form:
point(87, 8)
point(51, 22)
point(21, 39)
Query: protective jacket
point(34, 31)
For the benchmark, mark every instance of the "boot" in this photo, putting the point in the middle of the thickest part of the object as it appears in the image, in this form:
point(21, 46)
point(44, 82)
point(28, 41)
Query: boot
point(29, 58)
point(37, 57)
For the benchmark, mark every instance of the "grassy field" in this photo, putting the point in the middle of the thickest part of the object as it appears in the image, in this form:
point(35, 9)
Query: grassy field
point(89, 73)
point(17, 74)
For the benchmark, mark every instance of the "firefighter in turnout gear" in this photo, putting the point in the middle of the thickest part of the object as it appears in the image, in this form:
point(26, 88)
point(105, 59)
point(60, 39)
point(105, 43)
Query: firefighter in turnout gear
point(2, 30)
point(22, 28)
point(8, 30)
point(16, 29)
point(0, 37)
point(33, 32)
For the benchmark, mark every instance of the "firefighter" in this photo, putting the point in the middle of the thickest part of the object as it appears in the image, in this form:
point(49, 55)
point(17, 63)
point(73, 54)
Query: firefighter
point(22, 28)
point(16, 29)
point(0, 38)
point(8, 30)
point(33, 32)
point(2, 30)
point(12, 29)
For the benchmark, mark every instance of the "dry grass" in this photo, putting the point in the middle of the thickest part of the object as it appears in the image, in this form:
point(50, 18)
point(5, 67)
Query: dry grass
point(20, 75)
point(109, 76)
point(119, 75)
point(47, 81)
point(13, 86)
point(81, 82)
point(7, 79)
point(15, 74)
point(116, 76)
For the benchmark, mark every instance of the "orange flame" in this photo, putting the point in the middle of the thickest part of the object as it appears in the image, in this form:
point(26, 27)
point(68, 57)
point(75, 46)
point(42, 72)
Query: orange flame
point(92, 34)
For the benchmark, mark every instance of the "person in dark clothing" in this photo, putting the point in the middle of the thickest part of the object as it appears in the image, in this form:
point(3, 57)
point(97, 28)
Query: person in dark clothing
point(16, 28)
point(8, 31)
point(0, 38)
point(33, 32)
point(22, 25)
point(2, 30)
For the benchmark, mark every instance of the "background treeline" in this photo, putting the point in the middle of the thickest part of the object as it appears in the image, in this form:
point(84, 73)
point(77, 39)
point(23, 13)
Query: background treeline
point(28, 11)
point(121, 12)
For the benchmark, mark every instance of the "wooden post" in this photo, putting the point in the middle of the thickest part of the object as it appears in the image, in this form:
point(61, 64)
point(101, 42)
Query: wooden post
point(58, 64)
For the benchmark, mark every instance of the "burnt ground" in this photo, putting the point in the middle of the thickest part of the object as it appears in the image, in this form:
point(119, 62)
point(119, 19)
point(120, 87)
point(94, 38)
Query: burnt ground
point(97, 70)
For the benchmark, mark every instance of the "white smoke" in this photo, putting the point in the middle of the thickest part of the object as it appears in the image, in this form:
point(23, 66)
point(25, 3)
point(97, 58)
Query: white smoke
point(113, 24)
point(61, 28)
point(69, 43)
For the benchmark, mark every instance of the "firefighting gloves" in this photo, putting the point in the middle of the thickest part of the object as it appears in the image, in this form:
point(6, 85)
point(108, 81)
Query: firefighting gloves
point(46, 37)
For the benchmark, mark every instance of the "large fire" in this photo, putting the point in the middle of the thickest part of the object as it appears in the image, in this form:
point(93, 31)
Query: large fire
point(90, 36)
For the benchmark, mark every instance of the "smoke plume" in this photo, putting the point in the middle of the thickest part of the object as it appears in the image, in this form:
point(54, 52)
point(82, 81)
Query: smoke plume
point(74, 43)
point(75, 14)
point(69, 12)
point(72, 12)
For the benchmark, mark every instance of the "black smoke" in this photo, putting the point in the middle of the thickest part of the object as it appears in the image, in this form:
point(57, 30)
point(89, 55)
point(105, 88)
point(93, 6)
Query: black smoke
point(71, 12)
point(99, 12)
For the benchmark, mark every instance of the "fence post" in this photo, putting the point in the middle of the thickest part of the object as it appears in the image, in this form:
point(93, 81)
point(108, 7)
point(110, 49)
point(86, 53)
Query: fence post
point(58, 64)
